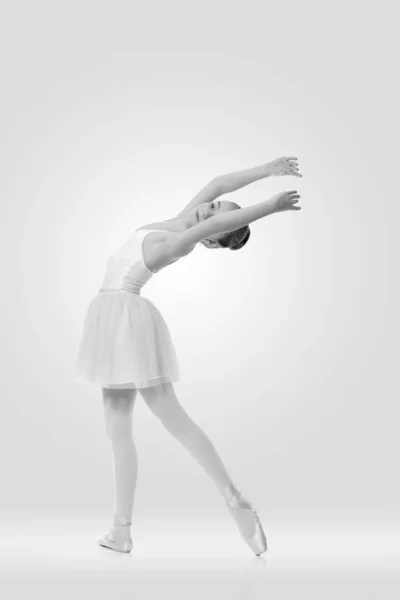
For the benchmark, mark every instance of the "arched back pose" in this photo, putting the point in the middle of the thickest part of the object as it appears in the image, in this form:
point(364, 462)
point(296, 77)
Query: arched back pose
point(126, 345)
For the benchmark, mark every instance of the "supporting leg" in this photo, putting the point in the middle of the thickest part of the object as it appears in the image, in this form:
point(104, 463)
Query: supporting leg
point(118, 409)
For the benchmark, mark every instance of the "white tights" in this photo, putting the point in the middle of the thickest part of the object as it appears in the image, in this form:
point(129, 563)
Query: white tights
point(162, 401)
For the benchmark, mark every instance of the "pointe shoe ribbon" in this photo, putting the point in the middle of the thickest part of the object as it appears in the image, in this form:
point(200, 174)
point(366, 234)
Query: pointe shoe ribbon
point(246, 518)
point(109, 539)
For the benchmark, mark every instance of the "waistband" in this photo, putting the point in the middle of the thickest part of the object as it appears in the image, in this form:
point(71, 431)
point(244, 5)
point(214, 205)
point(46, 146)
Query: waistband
point(117, 290)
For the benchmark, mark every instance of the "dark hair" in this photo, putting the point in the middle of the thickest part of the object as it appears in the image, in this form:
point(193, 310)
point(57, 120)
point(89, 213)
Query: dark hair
point(234, 240)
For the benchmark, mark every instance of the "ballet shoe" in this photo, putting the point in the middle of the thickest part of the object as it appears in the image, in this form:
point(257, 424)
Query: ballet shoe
point(110, 539)
point(246, 518)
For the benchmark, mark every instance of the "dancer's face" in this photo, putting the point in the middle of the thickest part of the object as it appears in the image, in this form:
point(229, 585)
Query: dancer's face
point(209, 209)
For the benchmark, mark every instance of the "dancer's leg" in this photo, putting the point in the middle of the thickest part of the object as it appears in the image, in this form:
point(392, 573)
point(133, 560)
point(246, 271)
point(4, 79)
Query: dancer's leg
point(164, 403)
point(118, 409)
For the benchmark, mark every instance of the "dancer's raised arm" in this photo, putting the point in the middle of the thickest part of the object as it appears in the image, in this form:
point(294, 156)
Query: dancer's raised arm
point(180, 244)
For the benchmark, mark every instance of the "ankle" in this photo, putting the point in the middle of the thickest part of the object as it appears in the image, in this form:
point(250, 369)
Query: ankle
point(230, 490)
point(121, 521)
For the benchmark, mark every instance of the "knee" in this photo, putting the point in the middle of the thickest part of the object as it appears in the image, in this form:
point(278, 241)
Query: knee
point(118, 409)
point(164, 404)
point(178, 425)
point(118, 429)
point(173, 418)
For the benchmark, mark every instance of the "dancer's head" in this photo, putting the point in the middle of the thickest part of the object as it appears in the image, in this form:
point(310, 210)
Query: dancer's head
point(234, 240)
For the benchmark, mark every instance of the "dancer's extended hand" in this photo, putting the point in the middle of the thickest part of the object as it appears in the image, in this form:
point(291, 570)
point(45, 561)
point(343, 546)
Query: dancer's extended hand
point(286, 200)
point(286, 165)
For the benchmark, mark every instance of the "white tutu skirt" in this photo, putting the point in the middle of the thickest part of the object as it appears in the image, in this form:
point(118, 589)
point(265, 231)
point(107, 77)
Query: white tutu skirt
point(125, 343)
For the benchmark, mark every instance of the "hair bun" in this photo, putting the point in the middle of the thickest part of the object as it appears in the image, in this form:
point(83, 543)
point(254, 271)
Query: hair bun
point(243, 234)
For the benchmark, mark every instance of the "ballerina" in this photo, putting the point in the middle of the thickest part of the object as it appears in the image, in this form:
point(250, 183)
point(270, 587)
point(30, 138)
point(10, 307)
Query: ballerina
point(126, 345)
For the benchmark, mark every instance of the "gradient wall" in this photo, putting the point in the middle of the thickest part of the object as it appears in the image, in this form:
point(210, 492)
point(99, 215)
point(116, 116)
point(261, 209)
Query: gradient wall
point(114, 118)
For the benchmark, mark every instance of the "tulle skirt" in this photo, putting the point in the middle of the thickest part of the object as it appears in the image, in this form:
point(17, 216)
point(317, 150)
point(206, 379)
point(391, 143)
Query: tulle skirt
point(125, 343)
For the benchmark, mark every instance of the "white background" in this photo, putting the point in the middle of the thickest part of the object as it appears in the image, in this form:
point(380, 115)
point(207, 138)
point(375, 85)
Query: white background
point(114, 116)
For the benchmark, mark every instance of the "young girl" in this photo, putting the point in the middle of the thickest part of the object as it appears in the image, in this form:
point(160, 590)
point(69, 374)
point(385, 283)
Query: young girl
point(126, 345)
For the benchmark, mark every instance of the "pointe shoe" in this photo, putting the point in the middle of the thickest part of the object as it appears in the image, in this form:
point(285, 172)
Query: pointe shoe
point(109, 539)
point(246, 519)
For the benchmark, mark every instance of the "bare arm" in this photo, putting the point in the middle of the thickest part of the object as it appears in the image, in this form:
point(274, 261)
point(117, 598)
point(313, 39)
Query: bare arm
point(285, 165)
point(230, 182)
point(180, 243)
point(223, 184)
point(207, 194)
